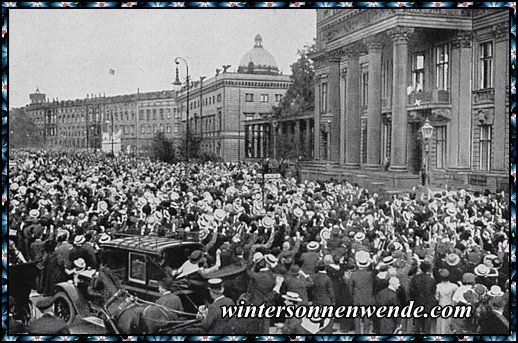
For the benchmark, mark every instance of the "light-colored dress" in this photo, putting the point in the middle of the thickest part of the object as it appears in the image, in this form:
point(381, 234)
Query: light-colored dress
point(444, 295)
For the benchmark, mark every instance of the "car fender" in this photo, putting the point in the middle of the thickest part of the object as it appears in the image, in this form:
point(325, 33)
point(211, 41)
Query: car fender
point(80, 304)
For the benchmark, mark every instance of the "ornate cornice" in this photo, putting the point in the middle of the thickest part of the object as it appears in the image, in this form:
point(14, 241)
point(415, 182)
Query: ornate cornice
point(373, 43)
point(336, 55)
point(400, 34)
point(464, 39)
point(354, 50)
point(501, 31)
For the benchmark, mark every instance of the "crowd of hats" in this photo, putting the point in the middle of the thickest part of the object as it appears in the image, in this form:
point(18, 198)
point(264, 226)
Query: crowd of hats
point(86, 192)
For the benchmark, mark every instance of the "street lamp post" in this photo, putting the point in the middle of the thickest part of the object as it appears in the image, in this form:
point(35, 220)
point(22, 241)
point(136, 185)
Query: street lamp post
point(177, 86)
point(427, 131)
point(111, 118)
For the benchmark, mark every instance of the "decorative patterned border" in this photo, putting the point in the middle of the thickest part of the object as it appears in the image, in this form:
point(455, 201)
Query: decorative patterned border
point(512, 168)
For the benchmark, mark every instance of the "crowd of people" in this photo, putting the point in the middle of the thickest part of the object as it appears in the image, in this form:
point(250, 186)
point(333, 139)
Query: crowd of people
point(305, 242)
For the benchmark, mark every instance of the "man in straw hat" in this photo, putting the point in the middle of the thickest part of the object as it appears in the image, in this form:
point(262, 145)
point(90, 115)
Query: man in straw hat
point(361, 282)
point(214, 323)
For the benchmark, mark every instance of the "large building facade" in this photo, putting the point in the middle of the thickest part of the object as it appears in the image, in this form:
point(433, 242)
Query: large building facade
point(125, 123)
point(231, 112)
point(380, 74)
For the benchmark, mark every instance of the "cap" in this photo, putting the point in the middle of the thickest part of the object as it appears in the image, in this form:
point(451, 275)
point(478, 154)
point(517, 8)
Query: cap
point(45, 303)
point(216, 285)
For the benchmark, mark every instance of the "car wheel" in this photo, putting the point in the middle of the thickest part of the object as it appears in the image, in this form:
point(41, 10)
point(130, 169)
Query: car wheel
point(63, 308)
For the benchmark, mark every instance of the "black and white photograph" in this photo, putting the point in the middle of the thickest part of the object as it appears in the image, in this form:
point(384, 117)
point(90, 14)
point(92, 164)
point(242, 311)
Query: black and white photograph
point(234, 172)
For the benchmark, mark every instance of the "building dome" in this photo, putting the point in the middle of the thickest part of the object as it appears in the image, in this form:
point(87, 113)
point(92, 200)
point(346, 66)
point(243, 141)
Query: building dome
point(258, 60)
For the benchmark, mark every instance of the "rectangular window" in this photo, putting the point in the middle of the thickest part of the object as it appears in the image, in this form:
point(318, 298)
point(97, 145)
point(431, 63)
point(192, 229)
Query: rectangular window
point(154, 114)
point(154, 128)
point(137, 268)
point(363, 140)
point(485, 147)
point(249, 97)
point(264, 97)
point(486, 65)
point(440, 147)
point(161, 113)
point(323, 97)
point(168, 113)
point(168, 128)
point(418, 72)
point(176, 128)
point(278, 97)
point(441, 67)
point(148, 114)
point(132, 129)
point(219, 97)
point(142, 129)
point(365, 89)
point(161, 127)
point(141, 114)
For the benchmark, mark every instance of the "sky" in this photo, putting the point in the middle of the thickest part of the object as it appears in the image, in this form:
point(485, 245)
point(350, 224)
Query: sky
point(68, 54)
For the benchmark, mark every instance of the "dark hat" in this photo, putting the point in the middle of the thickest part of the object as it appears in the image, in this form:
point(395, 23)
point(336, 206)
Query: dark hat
point(468, 278)
point(321, 264)
point(216, 285)
point(196, 256)
point(167, 283)
point(45, 303)
point(295, 269)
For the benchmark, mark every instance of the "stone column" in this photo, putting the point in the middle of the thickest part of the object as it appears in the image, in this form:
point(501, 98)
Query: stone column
point(259, 135)
point(246, 141)
point(398, 155)
point(266, 140)
point(252, 141)
point(352, 114)
point(316, 139)
point(274, 134)
point(459, 136)
point(297, 133)
point(307, 140)
point(374, 104)
point(333, 102)
point(500, 83)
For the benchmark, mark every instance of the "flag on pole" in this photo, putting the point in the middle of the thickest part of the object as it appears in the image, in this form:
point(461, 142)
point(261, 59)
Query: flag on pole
point(112, 71)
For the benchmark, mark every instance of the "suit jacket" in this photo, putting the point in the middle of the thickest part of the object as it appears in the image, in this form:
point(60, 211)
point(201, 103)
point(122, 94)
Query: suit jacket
point(171, 301)
point(362, 287)
point(298, 284)
point(262, 287)
point(214, 323)
point(422, 291)
point(48, 324)
point(388, 297)
point(323, 291)
point(309, 261)
point(492, 324)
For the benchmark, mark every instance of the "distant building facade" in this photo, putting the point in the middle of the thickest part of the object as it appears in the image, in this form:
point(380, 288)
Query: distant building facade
point(381, 73)
point(82, 123)
point(231, 112)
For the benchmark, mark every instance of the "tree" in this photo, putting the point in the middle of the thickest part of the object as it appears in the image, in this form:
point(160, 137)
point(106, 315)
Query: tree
point(23, 133)
point(298, 100)
point(163, 149)
point(300, 97)
point(193, 146)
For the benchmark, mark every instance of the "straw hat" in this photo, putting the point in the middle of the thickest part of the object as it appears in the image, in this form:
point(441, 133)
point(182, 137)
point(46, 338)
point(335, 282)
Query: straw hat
point(34, 213)
point(313, 246)
point(482, 270)
point(105, 238)
point(325, 234)
point(292, 296)
point(102, 206)
point(79, 240)
point(80, 263)
point(452, 259)
point(363, 259)
point(267, 222)
point(495, 291)
point(219, 214)
point(298, 212)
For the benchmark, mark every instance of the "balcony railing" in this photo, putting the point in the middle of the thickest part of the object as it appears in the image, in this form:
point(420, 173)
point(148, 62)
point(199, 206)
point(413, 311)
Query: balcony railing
point(483, 96)
point(418, 99)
